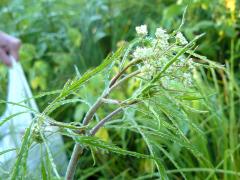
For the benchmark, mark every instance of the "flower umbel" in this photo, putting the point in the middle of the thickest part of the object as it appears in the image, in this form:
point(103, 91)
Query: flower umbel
point(161, 34)
point(142, 30)
point(142, 52)
point(156, 53)
point(181, 39)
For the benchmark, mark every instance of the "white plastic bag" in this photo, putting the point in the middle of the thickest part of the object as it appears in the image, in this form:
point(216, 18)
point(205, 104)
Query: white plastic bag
point(12, 131)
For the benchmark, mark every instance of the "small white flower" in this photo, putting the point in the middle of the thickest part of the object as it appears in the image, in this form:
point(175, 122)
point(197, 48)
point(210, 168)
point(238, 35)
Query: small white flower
point(142, 30)
point(190, 60)
point(148, 67)
point(191, 64)
point(161, 34)
point(166, 81)
point(182, 40)
point(160, 62)
point(142, 53)
point(187, 79)
point(148, 71)
point(154, 42)
point(163, 44)
point(186, 75)
point(182, 59)
point(162, 38)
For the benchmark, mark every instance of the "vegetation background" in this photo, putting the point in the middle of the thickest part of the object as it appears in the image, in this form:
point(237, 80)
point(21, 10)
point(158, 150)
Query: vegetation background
point(61, 36)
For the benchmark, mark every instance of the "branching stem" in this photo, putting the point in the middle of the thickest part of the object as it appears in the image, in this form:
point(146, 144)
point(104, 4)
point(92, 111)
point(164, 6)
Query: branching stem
point(77, 151)
point(104, 120)
point(115, 78)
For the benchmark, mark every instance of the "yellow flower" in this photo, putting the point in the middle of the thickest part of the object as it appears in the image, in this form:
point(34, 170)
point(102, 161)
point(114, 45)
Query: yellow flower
point(231, 5)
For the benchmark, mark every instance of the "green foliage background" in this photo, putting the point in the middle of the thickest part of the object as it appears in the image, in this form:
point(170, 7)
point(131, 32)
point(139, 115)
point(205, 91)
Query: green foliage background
point(61, 36)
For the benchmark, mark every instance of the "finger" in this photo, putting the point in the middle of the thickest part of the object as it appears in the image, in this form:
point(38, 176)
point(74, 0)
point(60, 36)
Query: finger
point(5, 58)
point(14, 49)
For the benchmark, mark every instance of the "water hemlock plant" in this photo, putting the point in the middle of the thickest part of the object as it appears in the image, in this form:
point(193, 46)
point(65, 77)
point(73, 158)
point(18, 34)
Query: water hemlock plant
point(161, 67)
point(157, 63)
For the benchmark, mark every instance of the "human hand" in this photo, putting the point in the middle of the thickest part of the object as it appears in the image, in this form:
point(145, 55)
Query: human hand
point(9, 46)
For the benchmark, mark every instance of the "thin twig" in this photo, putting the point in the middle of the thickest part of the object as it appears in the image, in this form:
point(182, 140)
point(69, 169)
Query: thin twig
point(124, 79)
point(99, 102)
point(115, 78)
point(101, 123)
point(104, 120)
point(93, 109)
point(78, 150)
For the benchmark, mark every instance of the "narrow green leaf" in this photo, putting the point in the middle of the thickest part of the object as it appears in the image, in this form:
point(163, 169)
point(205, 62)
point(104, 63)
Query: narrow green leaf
point(205, 59)
point(75, 84)
point(96, 142)
point(23, 149)
point(11, 116)
point(50, 157)
point(44, 172)
point(8, 150)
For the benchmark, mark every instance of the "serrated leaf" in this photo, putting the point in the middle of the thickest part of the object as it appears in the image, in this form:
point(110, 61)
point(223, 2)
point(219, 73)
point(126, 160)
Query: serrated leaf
point(50, 157)
point(78, 82)
point(96, 142)
point(205, 59)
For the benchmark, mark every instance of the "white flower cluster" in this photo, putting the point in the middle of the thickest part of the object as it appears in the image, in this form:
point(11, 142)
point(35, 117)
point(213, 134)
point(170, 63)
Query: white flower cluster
point(142, 52)
point(161, 34)
point(181, 39)
point(162, 37)
point(187, 79)
point(156, 52)
point(142, 30)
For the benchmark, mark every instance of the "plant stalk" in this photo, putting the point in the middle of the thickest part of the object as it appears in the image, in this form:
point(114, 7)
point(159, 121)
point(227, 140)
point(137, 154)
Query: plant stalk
point(104, 120)
point(78, 150)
